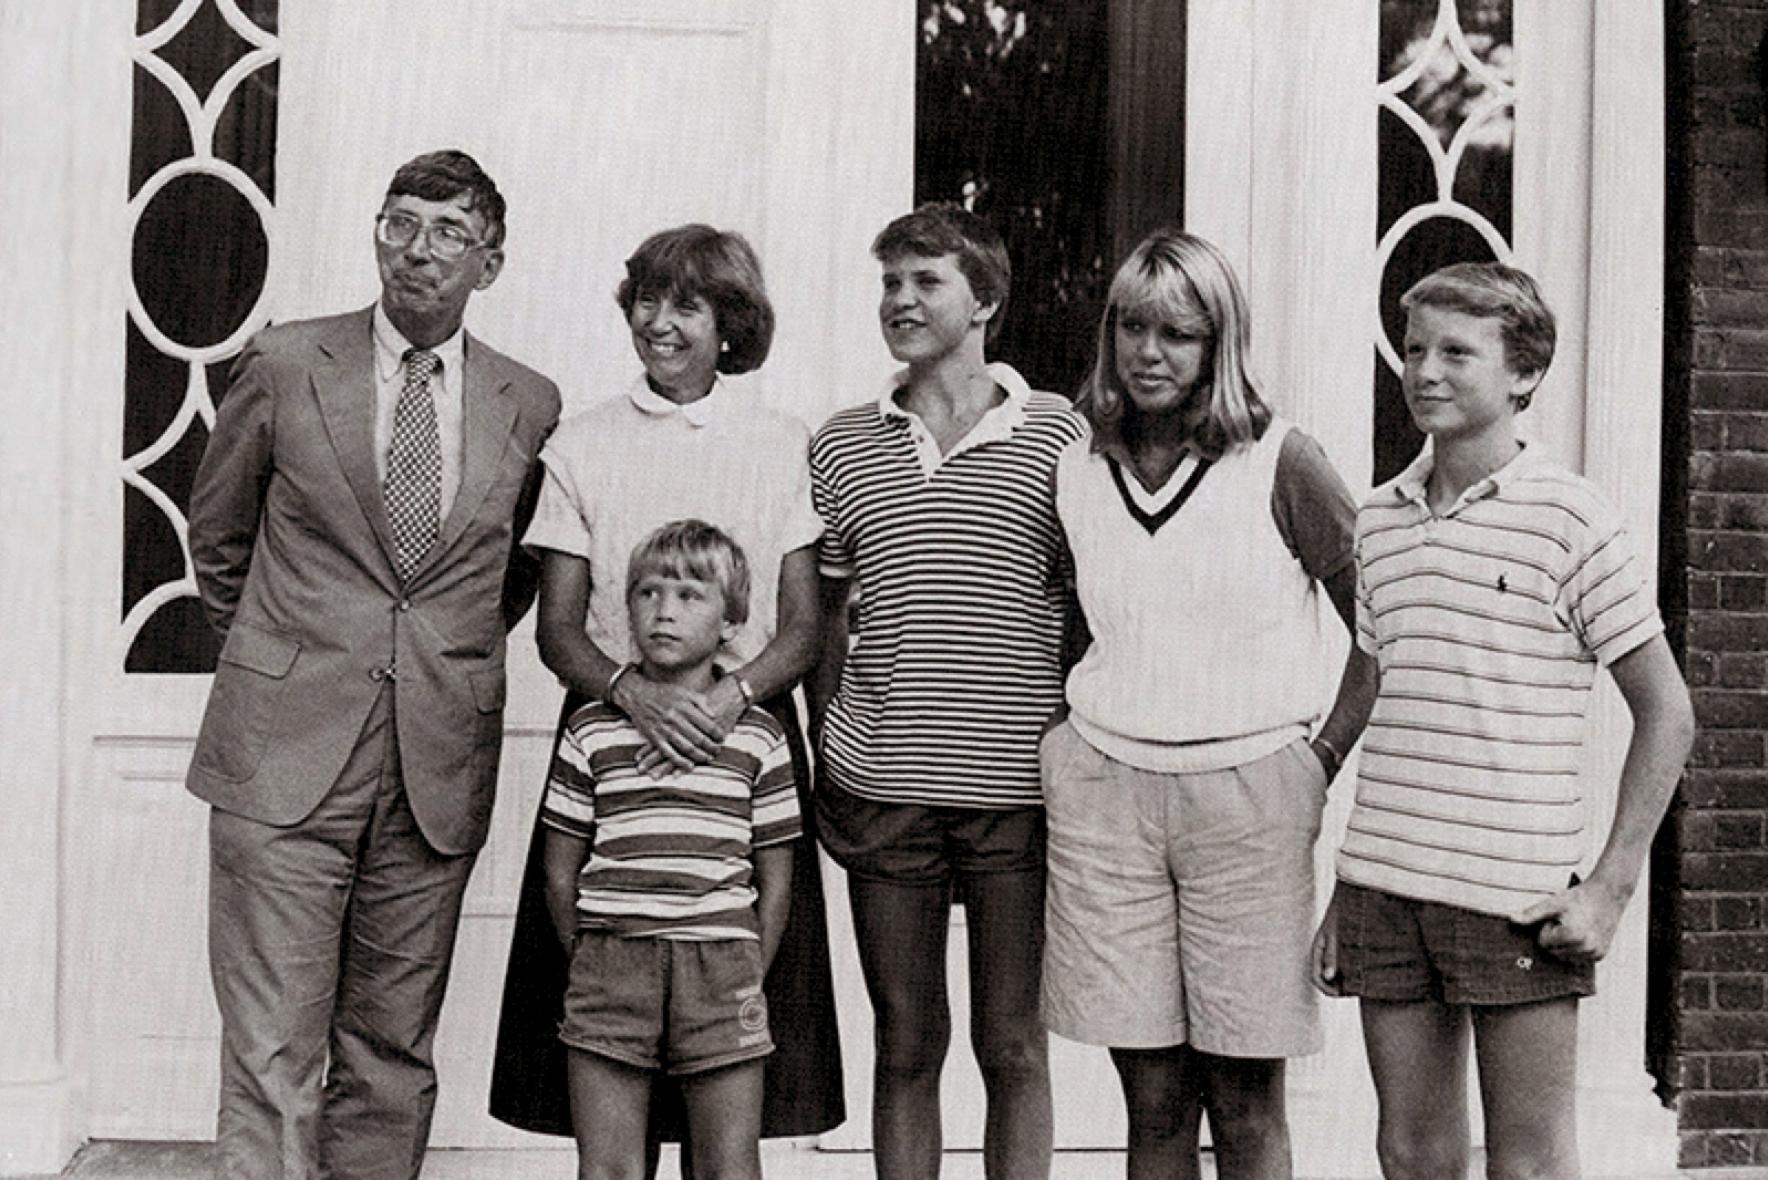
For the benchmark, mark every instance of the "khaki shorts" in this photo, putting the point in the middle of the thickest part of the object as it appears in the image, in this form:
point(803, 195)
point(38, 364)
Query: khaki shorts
point(1181, 906)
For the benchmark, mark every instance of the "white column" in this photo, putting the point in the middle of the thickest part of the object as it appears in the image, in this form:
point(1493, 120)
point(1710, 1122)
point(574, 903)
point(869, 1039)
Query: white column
point(37, 1131)
point(1622, 1126)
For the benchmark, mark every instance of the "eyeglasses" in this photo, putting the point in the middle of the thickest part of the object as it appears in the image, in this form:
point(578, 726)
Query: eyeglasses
point(447, 242)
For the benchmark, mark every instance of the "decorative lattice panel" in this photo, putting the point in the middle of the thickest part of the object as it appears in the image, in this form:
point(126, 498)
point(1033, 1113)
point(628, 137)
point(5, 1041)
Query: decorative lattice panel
point(1447, 106)
point(201, 183)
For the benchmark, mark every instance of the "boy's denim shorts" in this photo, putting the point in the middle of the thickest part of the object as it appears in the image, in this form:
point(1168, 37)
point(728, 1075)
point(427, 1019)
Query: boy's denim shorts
point(1399, 949)
point(666, 1004)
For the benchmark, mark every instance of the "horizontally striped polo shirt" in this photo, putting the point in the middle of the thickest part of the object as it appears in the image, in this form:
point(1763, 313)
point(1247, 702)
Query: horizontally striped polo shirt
point(670, 857)
point(957, 664)
point(1488, 623)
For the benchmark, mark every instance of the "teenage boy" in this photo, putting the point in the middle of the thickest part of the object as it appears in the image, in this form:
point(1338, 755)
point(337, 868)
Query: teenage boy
point(1491, 585)
point(938, 497)
point(670, 894)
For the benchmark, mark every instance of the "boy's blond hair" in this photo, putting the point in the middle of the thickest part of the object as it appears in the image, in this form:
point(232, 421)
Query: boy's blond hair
point(1496, 291)
point(695, 549)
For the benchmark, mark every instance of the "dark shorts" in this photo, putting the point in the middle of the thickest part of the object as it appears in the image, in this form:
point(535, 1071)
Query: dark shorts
point(1400, 950)
point(666, 1004)
point(913, 844)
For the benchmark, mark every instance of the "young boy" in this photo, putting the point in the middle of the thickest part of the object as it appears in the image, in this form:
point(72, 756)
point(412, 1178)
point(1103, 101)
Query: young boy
point(670, 894)
point(1491, 584)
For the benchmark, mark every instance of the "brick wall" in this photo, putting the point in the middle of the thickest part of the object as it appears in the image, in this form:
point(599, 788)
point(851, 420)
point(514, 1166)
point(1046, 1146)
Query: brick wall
point(1710, 910)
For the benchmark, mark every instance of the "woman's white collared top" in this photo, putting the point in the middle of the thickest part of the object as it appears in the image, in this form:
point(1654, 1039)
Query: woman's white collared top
point(621, 469)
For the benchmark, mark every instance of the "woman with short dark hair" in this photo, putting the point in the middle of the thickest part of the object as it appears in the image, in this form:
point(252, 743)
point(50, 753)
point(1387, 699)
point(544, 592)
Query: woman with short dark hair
point(680, 443)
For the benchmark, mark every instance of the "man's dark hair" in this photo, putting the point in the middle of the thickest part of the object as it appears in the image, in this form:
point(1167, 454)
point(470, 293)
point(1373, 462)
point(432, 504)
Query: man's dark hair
point(445, 175)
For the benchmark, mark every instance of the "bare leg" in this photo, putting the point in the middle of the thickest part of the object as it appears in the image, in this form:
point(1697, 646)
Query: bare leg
point(901, 933)
point(1248, 1116)
point(1013, 1050)
point(1165, 1108)
point(1418, 1056)
point(1528, 1081)
point(724, 1122)
point(610, 1106)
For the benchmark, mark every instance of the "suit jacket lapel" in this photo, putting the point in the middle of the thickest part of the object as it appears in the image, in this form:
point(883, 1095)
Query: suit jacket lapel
point(343, 381)
point(488, 416)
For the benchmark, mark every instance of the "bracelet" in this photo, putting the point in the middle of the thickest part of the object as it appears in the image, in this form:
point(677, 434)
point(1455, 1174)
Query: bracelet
point(1336, 762)
point(608, 691)
point(743, 687)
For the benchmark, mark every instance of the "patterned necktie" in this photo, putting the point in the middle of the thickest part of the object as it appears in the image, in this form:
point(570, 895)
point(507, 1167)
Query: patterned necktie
point(414, 464)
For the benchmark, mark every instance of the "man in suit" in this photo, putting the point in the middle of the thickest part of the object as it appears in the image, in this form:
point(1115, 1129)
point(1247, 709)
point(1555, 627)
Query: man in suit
point(353, 529)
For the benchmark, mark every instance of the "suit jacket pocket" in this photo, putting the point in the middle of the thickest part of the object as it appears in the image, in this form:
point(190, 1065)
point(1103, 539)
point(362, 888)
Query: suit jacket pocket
point(244, 703)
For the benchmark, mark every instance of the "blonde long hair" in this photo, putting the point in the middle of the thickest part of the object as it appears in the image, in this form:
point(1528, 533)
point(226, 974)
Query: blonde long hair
point(1189, 282)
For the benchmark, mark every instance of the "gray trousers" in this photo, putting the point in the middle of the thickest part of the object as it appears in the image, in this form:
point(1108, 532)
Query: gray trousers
point(329, 948)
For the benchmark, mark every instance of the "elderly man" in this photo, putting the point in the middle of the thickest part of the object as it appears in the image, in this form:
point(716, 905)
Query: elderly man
point(352, 531)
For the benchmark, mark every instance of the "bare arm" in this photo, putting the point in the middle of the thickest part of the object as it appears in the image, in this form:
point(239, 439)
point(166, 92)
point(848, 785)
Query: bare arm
point(1579, 922)
point(563, 856)
point(789, 655)
point(773, 896)
point(521, 580)
point(825, 677)
point(1357, 689)
point(1357, 685)
point(565, 647)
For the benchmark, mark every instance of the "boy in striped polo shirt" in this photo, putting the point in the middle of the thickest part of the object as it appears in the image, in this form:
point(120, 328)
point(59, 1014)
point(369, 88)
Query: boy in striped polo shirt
point(938, 498)
point(670, 893)
point(1491, 585)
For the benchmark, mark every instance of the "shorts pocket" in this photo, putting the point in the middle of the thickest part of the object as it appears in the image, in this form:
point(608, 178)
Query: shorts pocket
point(1069, 768)
point(1311, 764)
point(1310, 798)
point(1051, 746)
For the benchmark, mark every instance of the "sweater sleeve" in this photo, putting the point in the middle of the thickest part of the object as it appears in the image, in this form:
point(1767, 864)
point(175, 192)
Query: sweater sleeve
point(1312, 508)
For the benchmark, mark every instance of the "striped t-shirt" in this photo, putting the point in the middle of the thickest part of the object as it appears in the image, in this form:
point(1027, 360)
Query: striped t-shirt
point(957, 664)
point(1488, 623)
point(670, 857)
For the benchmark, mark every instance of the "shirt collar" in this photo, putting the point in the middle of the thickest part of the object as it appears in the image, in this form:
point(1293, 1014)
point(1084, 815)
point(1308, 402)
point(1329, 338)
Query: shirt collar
point(1411, 483)
point(390, 347)
point(696, 413)
point(1011, 411)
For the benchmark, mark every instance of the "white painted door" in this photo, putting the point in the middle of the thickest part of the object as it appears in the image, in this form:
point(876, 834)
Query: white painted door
point(602, 121)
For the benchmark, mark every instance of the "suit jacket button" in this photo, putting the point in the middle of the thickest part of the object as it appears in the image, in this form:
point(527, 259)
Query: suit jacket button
point(377, 673)
point(405, 604)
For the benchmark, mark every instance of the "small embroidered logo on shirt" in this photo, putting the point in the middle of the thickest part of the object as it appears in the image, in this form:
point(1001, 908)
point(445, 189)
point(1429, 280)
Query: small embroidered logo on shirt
point(1502, 586)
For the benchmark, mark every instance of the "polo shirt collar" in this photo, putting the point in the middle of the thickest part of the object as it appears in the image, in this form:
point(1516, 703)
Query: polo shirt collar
point(695, 413)
point(390, 347)
point(1410, 485)
point(999, 422)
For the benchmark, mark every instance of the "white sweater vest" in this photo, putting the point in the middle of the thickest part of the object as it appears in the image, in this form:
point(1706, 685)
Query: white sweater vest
point(1206, 630)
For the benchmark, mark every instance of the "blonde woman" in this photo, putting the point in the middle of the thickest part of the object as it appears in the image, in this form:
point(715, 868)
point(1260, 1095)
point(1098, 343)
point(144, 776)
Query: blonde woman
point(1184, 790)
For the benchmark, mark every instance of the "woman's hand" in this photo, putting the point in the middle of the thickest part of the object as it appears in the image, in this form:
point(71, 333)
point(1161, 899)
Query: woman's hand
point(1324, 956)
point(683, 728)
point(725, 703)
